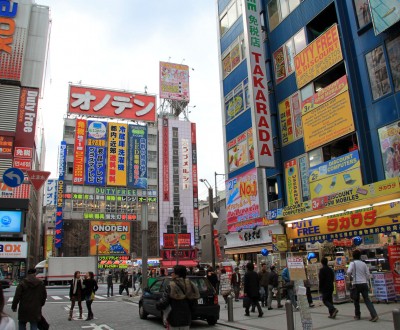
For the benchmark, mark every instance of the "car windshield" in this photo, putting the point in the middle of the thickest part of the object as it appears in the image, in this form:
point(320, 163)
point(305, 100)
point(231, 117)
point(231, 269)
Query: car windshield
point(201, 282)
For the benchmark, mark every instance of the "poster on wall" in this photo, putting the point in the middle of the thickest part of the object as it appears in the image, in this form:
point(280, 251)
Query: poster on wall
point(234, 104)
point(384, 14)
point(362, 12)
point(378, 72)
point(174, 81)
point(394, 262)
point(279, 64)
point(240, 150)
point(113, 237)
point(393, 50)
point(389, 140)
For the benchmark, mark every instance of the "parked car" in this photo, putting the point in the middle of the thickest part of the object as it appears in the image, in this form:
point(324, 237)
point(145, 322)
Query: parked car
point(5, 284)
point(207, 308)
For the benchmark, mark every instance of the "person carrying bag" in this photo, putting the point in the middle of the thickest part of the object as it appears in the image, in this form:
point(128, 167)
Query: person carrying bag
point(90, 289)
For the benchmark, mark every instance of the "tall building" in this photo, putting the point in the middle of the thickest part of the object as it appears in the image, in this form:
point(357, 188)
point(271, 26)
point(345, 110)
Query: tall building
point(24, 29)
point(312, 119)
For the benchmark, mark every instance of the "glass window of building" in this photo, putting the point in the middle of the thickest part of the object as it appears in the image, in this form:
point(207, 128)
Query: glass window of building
point(278, 10)
point(273, 14)
point(315, 157)
point(229, 16)
point(152, 173)
point(393, 50)
point(378, 73)
point(284, 8)
point(151, 139)
point(69, 132)
point(152, 156)
point(307, 91)
point(300, 41)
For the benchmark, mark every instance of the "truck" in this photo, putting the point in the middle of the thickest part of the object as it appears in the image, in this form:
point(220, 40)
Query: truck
point(60, 270)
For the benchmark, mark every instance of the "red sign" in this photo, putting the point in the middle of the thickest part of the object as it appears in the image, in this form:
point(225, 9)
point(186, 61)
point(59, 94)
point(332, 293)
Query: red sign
point(23, 152)
point(6, 145)
point(111, 103)
point(26, 121)
point(394, 262)
point(183, 241)
point(23, 164)
point(170, 254)
point(37, 178)
point(23, 191)
point(79, 151)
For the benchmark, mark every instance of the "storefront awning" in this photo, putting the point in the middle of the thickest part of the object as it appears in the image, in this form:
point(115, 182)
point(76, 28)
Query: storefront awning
point(248, 249)
point(172, 263)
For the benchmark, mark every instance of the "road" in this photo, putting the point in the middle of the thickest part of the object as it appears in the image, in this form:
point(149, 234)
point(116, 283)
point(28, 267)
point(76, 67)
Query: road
point(111, 313)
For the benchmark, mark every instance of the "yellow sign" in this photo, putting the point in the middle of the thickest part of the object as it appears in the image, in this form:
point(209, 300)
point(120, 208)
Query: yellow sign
point(286, 121)
point(297, 208)
point(320, 55)
point(328, 122)
point(280, 242)
point(113, 237)
point(292, 182)
point(117, 154)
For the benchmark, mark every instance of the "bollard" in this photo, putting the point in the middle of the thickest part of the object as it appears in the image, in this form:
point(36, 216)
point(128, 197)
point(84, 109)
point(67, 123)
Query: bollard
point(289, 315)
point(230, 308)
point(396, 319)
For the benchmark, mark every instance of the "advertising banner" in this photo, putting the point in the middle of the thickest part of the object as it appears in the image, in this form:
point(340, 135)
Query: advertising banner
point(389, 139)
point(183, 240)
point(234, 104)
point(185, 164)
point(96, 102)
point(279, 64)
point(303, 168)
point(96, 153)
point(23, 191)
point(241, 150)
point(60, 192)
point(137, 156)
point(242, 200)
point(13, 250)
point(260, 113)
point(324, 95)
point(345, 225)
point(50, 193)
point(285, 118)
point(320, 55)
point(170, 254)
point(114, 237)
point(384, 14)
point(165, 159)
point(328, 122)
point(79, 151)
point(394, 262)
point(174, 81)
point(114, 262)
point(26, 121)
point(279, 242)
point(296, 268)
point(48, 245)
point(6, 146)
point(196, 218)
point(23, 152)
point(116, 154)
point(292, 182)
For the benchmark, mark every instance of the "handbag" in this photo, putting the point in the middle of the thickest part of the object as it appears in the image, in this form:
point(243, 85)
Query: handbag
point(43, 324)
point(246, 302)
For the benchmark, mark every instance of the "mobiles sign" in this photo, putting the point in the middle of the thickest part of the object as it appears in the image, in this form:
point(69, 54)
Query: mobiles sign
point(261, 117)
point(8, 11)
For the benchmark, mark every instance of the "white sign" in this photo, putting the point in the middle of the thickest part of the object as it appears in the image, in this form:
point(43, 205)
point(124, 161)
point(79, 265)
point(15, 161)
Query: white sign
point(13, 249)
point(50, 192)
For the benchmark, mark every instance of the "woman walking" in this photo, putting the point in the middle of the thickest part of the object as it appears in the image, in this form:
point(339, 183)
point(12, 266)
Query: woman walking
point(90, 288)
point(76, 294)
point(225, 285)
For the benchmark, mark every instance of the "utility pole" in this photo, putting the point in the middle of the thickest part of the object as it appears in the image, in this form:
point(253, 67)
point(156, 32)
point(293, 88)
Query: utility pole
point(211, 211)
point(145, 229)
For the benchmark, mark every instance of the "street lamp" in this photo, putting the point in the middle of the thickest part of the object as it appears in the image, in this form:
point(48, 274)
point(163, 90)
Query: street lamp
point(212, 217)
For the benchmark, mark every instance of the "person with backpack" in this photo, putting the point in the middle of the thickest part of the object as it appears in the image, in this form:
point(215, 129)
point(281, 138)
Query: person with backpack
point(181, 295)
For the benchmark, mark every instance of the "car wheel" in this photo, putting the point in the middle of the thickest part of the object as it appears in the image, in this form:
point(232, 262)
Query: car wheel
point(212, 321)
point(142, 313)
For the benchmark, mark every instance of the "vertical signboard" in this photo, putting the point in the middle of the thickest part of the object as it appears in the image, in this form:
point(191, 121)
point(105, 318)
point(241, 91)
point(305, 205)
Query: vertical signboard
point(116, 154)
point(185, 165)
point(196, 221)
point(394, 262)
point(174, 81)
point(137, 156)
point(96, 152)
point(165, 158)
point(292, 179)
point(50, 192)
point(79, 151)
point(258, 88)
point(60, 192)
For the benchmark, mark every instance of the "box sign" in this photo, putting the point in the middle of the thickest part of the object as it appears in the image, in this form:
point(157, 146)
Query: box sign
point(17, 250)
point(114, 262)
point(111, 103)
point(320, 55)
point(6, 145)
point(183, 241)
point(174, 81)
point(113, 237)
point(11, 222)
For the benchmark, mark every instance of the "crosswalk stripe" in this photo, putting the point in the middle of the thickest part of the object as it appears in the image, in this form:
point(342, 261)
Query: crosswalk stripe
point(10, 299)
point(56, 297)
point(66, 297)
point(99, 297)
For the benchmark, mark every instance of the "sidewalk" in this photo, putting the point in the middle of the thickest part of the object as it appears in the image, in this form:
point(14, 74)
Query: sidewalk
point(276, 319)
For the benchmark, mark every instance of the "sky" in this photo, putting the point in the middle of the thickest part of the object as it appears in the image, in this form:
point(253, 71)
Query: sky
point(118, 45)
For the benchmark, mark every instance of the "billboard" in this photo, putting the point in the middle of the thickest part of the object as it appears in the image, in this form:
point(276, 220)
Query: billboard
point(320, 55)
point(328, 122)
point(17, 250)
point(116, 154)
point(196, 218)
point(242, 200)
point(292, 182)
point(50, 192)
point(113, 237)
point(79, 151)
point(174, 81)
point(165, 158)
point(384, 14)
point(11, 222)
point(389, 140)
point(241, 150)
point(60, 192)
point(137, 156)
point(96, 102)
point(96, 153)
point(184, 240)
point(258, 87)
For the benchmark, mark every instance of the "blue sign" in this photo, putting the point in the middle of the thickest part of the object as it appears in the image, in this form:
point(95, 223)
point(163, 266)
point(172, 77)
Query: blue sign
point(96, 153)
point(137, 156)
point(13, 177)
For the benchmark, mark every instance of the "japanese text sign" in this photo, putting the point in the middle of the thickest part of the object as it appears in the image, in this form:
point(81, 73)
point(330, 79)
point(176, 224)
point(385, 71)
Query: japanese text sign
point(79, 151)
point(113, 237)
point(96, 153)
point(137, 156)
point(116, 154)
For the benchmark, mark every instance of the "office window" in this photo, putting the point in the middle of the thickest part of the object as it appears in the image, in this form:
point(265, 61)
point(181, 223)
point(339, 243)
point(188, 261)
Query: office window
point(229, 17)
point(233, 56)
point(378, 73)
point(278, 10)
point(69, 132)
point(152, 156)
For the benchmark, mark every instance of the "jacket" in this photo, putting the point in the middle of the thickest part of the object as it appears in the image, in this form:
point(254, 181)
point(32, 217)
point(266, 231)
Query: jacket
point(178, 294)
point(79, 288)
point(326, 278)
point(251, 284)
point(285, 275)
point(263, 278)
point(31, 296)
point(236, 280)
point(109, 279)
point(273, 279)
point(90, 286)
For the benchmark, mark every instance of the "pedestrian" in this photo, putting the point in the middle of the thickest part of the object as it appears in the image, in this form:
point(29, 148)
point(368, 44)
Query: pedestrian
point(212, 277)
point(218, 273)
point(125, 284)
point(116, 276)
point(326, 278)
point(225, 285)
point(360, 275)
point(289, 286)
point(162, 272)
point(134, 275)
point(76, 294)
point(252, 289)
point(236, 281)
point(179, 294)
point(139, 281)
point(6, 322)
point(263, 279)
point(273, 287)
point(90, 288)
point(110, 284)
point(31, 296)
point(307, 285)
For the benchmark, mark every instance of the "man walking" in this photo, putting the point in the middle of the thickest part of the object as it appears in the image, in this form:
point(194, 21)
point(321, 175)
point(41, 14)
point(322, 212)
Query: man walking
point(326, 278)
point(110, 284)
point(31, 296)
point(235, 282)
point(263, 278)
point(252, 289)
point(273, 286)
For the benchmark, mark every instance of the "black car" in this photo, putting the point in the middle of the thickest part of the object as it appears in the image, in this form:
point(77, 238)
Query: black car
point(207, 308)
point(5, 284)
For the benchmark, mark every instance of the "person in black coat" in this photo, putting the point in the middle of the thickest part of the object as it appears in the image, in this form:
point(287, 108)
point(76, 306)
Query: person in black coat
point(213, 278)
point(252, 289)
point(90, 288)
point(326, 278)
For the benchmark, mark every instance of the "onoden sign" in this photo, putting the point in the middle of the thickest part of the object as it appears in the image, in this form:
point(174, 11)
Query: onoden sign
point(323, 53)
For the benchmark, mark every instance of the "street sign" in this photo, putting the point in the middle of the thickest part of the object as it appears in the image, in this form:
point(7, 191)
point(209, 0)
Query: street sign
point(13, 177)
point(37, 178)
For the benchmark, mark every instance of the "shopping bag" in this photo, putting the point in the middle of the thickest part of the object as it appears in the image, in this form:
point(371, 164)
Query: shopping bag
point(42, 324)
